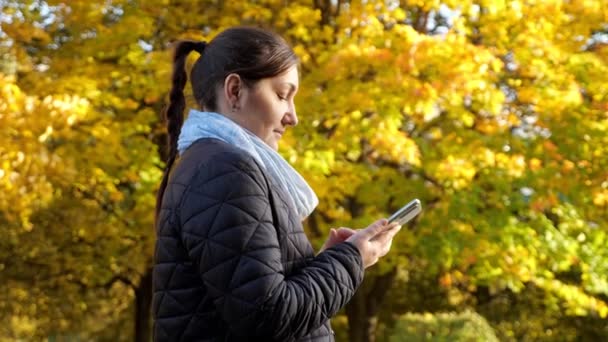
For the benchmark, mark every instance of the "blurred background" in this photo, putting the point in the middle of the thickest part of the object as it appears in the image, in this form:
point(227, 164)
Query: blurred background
point(494, 113)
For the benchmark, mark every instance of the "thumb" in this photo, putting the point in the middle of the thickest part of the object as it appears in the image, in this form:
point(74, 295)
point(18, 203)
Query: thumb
point(375, 228)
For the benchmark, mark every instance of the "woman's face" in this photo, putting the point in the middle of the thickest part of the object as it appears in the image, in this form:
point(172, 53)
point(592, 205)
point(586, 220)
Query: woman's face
point(267, 108)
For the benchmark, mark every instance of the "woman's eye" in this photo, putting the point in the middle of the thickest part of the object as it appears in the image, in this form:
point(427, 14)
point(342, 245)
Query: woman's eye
point(282, 97)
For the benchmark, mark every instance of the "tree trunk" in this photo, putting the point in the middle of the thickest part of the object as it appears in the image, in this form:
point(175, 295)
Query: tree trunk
point(143, 303)
point(361, 327)
point(362, 310)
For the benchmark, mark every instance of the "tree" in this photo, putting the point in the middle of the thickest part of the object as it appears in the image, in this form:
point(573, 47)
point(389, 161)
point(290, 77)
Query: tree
point(476, 111)
point(78, 173)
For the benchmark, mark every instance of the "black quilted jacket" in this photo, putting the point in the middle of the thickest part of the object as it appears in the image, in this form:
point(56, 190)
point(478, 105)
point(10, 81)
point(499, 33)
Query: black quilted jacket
point(232, 262)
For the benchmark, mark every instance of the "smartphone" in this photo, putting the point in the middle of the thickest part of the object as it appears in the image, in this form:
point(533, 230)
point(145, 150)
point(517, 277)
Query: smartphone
point(406, 213)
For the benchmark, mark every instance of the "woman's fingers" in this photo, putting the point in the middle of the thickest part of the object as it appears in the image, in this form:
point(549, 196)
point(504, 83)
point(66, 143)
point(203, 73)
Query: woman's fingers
point(374, 241)
point(387, 234)
point(344, 233)
point(333, 234)
point(375, 229)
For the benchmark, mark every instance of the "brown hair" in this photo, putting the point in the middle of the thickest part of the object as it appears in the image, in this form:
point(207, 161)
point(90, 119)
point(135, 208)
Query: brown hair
point(250, 52)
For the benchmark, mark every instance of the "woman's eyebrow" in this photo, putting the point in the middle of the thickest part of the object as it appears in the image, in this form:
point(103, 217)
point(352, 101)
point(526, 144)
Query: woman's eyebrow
point(292, 87)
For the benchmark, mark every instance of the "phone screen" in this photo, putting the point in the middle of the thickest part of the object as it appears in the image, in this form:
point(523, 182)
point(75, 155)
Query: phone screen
point(407, 212)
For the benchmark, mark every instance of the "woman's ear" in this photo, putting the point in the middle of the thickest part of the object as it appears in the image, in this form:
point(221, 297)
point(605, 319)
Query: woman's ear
point(232, 90)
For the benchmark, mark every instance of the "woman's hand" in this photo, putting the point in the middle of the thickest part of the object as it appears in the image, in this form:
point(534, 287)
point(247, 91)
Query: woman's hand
point(374, 241)
point(337, 236)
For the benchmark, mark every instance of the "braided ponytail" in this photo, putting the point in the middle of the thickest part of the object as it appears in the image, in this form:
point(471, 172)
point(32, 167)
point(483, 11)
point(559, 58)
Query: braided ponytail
point(174, 113)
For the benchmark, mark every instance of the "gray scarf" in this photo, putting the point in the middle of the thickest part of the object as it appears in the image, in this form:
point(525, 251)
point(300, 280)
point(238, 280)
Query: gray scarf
point(214, 125)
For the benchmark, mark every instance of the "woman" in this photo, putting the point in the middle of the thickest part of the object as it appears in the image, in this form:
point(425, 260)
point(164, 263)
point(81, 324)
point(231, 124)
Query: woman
point(232, 262)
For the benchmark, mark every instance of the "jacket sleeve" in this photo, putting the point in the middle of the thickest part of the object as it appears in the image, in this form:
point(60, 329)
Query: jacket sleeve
point(227, 229)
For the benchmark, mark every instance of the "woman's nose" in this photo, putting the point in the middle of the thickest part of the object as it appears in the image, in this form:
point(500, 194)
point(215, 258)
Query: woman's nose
point(290, 118)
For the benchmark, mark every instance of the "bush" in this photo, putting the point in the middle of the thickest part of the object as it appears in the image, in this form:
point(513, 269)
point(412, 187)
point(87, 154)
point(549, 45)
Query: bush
point(465, 326)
